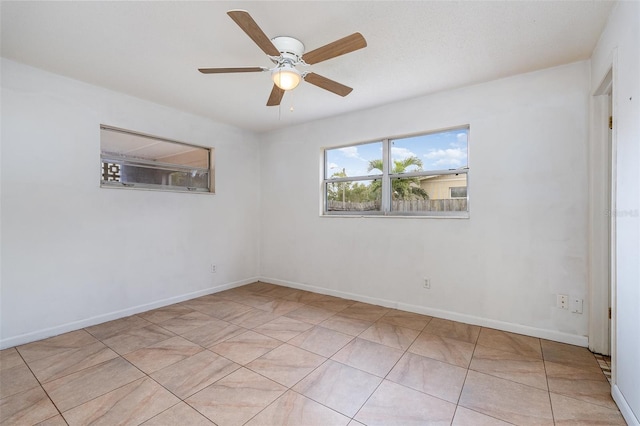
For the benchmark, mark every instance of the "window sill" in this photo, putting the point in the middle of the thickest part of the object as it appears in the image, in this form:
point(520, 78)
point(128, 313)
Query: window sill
point(152, 189)
point(461, 215)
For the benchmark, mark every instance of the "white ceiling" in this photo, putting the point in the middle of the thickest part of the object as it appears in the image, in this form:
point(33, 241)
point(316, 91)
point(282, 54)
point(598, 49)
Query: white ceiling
point(151, 50)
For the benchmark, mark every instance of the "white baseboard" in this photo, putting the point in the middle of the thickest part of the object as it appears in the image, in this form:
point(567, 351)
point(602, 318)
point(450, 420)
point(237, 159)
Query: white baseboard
point(624, 407)
point(98, 319)
point(556, 336)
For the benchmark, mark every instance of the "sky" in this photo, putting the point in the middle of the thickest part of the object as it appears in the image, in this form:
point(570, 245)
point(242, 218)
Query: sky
point(438, 151)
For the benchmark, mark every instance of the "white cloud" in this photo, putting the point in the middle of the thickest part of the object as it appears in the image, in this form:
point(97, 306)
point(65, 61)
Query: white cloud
point(351, 152)
point(462, 137)
point(447, 157)
point(401, 153)
point(333, 166)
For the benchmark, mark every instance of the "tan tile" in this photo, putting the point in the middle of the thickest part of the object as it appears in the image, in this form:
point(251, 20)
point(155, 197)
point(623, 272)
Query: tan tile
point(452, 351)
point(109, 329)
point(222, 308)
point(286, 364)
point(506, 400)
point(246, 347)
point(321, 341)
point(195, 373)
point(10, 358)
point(55, 345)
point(259, 287)
point(233, 292)
point(165, 313)
point(406, 319)
point(203, 303)
point(71, 361)
point(155, 357)
point(280, 306)
point(453, 330)
point(236, 398)
point(395, 404)
point(252, 318)
point(427, 375)
point(510, 366)
point(338, 386)
point(350, 326)
point(293, 409)
point(15, 380)
point(390, 335)
point(188, 322)
point(26, 408)
point(364, 311)
point(53, 421)
point(332, 303)
point(210, 334)
point(137, 338)
point(510, 342)
point(368, 356)
point(573, 356)
point(247, 298)
point(283, 328)
point(279, 292)
point(131, 404)
point(466, 417)
point(569, 411)
point(310, 314)
point(178, 415)
point(303, 296)
point(586, 385)
point(77, 388)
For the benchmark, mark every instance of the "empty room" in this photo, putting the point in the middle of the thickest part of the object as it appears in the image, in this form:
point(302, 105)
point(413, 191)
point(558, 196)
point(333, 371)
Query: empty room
point(320, 213)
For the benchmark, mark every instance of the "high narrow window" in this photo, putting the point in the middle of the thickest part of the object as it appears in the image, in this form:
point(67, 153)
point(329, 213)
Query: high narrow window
point(133, 160)
point(424, 175)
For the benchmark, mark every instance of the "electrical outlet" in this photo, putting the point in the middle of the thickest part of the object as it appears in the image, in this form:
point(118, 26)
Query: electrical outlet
point(213, 268)
point(427, 283)
point(576, 305)
point(562, 301)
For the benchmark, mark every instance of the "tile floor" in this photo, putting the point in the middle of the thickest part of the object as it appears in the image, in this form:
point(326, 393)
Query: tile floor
point(268, 355)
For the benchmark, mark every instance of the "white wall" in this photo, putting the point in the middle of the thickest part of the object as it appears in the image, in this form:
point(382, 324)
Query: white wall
point(620, 44)
point(75, 254)
point(525, 240)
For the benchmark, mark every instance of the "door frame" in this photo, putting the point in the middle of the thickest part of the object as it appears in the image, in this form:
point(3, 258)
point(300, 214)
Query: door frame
point(602, 208)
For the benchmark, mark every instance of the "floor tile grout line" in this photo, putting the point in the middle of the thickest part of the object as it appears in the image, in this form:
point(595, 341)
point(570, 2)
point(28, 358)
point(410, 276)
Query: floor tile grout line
point(465, 379)
point(313, 325)
point(41, 384)
point(586, 402)
point(546, 377)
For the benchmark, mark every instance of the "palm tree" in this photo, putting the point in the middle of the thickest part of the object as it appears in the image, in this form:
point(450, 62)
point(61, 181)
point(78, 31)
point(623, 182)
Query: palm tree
point(405, 188)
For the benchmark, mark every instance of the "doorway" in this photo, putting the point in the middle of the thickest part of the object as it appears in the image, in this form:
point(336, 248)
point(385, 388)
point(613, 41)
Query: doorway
point(602, 220)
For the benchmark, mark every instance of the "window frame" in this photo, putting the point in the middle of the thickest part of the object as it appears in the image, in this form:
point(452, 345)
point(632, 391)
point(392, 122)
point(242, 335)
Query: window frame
point(451, 188)
point(386, 178)
point(156, 165)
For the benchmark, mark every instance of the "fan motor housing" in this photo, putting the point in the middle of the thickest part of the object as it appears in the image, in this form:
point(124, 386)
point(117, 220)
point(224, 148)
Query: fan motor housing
point(289, 47)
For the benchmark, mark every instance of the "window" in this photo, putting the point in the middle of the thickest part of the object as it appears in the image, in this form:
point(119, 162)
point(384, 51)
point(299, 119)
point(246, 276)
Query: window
point(134, 160)
point(423, 175)
point(458, 192)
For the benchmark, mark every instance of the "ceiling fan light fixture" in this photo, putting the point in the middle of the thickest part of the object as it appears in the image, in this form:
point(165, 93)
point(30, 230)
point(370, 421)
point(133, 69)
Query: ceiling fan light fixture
point(286, 77)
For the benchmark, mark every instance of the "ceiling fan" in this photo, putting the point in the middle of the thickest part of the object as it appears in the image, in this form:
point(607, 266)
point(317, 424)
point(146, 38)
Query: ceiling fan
point(287, 53)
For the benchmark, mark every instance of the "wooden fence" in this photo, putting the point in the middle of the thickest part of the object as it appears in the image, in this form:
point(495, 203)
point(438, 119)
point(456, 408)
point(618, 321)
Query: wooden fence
point(444, 205)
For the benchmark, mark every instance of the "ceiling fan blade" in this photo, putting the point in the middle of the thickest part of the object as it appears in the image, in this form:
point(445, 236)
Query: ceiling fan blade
point(276, 96)
point(249, 26)
point(225, 70)
point(327, 84)
point(346, 44)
